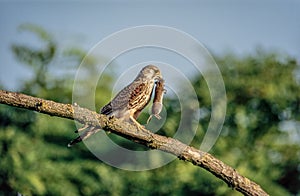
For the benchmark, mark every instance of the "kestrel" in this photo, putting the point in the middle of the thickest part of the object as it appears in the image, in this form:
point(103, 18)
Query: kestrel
point(129, 102)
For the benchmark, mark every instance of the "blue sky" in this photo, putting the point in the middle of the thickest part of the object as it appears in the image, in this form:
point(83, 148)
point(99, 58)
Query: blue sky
point(221, 26)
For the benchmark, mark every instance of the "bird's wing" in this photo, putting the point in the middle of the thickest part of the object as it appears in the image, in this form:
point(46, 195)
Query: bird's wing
point(119, 102)
point(140, 96)
point(134, 96)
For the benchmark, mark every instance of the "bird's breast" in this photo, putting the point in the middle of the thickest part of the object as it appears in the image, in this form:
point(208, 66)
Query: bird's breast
point(140, 96)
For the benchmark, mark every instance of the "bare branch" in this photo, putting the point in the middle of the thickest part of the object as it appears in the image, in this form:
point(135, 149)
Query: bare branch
point(147, 138)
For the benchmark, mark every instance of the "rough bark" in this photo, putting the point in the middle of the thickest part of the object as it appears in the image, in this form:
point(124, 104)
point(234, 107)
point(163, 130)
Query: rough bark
point(145, 137)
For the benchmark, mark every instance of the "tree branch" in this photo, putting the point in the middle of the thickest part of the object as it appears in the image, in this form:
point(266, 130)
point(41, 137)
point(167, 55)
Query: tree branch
point(147, 138)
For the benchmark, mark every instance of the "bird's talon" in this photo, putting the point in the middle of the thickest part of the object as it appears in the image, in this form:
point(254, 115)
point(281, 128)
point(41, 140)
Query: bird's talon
point(140, 127)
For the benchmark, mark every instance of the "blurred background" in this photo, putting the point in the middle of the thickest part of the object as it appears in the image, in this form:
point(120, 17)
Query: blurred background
point(255, 44)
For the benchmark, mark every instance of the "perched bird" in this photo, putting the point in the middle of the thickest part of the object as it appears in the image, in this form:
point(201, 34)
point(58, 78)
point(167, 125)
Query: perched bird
point(129, 102)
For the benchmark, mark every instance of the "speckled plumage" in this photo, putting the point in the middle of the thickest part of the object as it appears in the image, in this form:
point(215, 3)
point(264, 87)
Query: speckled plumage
point(130, 101)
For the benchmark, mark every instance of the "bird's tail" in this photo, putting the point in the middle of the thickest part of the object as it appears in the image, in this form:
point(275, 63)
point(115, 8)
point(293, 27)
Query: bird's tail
point(84, 136)
point(75, 141)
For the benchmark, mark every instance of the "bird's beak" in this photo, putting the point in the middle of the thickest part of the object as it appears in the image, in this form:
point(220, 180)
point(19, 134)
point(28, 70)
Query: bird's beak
point(159, 77)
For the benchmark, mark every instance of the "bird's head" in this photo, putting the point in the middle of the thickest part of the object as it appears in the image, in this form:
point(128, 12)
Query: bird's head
point(150, 72)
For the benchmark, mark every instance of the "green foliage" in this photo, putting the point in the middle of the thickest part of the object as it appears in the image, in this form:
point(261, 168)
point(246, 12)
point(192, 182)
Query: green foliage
point(262, 94)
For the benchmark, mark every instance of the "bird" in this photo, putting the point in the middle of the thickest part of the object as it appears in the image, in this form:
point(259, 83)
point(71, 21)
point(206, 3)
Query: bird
point(129, 102)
